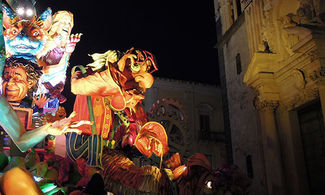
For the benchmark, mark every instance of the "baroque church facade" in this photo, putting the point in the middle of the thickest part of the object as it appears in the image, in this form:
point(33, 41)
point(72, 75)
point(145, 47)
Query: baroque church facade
point(272, 63)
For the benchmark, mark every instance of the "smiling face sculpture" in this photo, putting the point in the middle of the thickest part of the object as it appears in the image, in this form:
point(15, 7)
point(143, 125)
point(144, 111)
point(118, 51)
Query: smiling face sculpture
point(19, 77)
point(25, 38)
point(15, 85)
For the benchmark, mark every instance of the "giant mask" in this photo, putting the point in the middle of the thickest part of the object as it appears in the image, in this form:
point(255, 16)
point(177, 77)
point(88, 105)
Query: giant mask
point(19, 76)
point(25, 38)
point(15, 84)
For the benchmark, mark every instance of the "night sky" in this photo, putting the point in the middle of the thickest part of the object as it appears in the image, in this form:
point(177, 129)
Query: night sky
point(181, 34)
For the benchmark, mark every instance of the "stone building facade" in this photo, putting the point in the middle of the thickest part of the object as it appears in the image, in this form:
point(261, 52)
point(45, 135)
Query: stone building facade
point(272, 59)
point(192, 116)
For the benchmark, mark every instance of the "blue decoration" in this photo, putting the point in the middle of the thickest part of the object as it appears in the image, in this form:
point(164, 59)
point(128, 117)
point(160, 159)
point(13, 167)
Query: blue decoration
point(25, 38)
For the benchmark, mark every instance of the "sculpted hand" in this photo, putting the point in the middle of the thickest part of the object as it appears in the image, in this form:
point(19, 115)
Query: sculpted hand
point(74, 39)
point(41, 101)
point(66, 125)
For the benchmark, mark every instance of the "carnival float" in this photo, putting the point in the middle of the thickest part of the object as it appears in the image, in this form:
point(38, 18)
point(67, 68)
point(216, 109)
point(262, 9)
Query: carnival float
point(91, 150)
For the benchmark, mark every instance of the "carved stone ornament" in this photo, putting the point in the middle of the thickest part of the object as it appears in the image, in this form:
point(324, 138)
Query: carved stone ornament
point(291, 33)
point(317, 75)
point(268, 29)
point(299, 78)
point(308, 12)
point(305, 96)
point(263, 104)
point(314, 55)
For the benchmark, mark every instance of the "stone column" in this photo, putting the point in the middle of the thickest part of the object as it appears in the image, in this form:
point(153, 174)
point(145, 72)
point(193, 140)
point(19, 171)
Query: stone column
point(271, 147)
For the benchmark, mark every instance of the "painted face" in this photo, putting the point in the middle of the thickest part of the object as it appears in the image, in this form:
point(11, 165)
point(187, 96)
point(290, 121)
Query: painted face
point(63, 30)
point(140, 69)
point(15, 85)
point(24, 39)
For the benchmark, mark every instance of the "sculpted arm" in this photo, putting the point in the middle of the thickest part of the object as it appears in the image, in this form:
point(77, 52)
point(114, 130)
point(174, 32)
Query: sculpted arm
point(97, 84)
point(10, 122)
point(24, 140)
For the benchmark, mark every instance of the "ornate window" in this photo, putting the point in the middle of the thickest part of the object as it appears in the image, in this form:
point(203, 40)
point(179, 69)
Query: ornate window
point(170, 114)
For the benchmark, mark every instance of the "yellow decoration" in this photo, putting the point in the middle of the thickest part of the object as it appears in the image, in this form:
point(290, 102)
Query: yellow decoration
point(18, 181)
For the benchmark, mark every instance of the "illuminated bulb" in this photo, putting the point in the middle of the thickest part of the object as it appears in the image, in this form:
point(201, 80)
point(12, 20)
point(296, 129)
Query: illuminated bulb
point(29, 12)
point(209, 184)
point(20, 11)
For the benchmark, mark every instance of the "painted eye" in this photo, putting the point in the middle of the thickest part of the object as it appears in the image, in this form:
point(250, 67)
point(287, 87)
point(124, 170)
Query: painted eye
point(14, 31)
point(135, 67)
point(35, 33)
